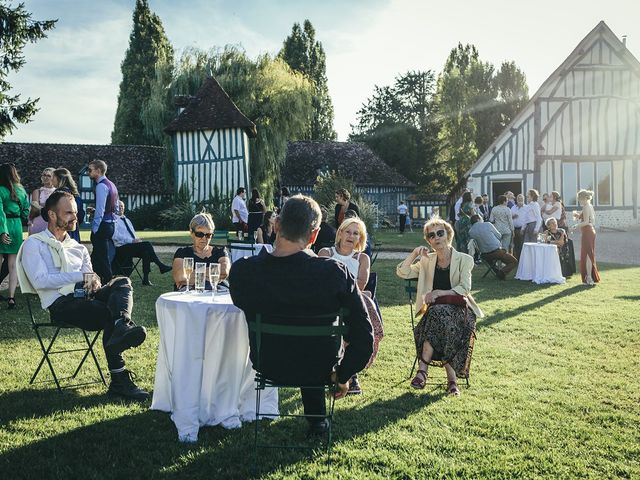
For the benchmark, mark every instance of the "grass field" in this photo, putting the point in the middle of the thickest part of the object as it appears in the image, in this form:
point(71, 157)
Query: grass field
point(554, 394)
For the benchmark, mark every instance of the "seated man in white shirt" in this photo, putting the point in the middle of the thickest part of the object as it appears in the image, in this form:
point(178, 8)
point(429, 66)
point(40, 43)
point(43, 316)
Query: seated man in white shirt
point(129, 247)
point(53, 265)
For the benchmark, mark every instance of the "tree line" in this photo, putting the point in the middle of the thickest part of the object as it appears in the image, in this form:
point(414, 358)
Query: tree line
point(430, 127)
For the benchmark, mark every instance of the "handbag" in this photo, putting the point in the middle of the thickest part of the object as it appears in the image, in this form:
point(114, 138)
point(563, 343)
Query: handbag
point(455, 299)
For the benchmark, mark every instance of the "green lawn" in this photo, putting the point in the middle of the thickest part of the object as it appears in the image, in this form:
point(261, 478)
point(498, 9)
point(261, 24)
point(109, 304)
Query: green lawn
point(554, 394)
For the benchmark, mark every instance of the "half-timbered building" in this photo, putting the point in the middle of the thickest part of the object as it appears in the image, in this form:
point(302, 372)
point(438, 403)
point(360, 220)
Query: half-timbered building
point(374, 179)
point(210, 139)
point(581, 129)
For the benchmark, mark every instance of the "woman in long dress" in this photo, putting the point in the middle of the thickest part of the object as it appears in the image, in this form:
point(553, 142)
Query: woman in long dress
point(558, 237)
point(14, 208)
point(38, 198)
point(446, 332)
point(463, 224)
point(351, 239)
point(587, 222)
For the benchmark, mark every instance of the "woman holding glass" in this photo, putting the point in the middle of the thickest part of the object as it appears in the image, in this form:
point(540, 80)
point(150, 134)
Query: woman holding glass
point(446, 331)
point(586, 223)
point(201, 229)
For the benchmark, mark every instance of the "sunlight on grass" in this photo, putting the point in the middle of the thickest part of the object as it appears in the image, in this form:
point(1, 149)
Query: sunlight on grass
point(553, 395)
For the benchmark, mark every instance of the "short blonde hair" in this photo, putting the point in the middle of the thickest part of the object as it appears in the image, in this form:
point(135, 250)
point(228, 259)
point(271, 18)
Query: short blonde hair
point(439, 221)
point(362, 243)
point(585, 194)
point(533, 193)
point(549, 220)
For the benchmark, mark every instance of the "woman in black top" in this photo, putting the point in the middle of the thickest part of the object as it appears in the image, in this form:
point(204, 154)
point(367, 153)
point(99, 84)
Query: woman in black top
point(256, 209)
point(266, 232)
point(201, 229)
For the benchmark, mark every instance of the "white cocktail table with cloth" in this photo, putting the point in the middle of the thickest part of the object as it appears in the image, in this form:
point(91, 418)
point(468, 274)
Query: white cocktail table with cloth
point(540, 262)
point(237, 254)
point(203, 372)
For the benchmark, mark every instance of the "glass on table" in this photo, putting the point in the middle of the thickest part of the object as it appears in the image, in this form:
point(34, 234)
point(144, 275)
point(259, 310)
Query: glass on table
point(255, 236)
point(187, 267)
point(200, 276)
point(214, 277)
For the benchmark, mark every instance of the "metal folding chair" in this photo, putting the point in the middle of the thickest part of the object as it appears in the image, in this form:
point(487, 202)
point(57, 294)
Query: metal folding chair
point(47, 350)
point(241, 246)
point(260, 327)
point(119, 267)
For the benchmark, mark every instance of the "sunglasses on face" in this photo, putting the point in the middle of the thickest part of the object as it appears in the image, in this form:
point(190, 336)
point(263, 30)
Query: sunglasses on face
point(432, 235)
point(202, 234)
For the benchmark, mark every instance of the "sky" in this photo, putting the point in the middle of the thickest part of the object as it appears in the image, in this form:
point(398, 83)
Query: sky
point(76, 70)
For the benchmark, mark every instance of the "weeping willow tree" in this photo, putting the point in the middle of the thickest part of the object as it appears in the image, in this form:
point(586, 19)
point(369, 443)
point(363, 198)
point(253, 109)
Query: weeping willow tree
point(277, 99)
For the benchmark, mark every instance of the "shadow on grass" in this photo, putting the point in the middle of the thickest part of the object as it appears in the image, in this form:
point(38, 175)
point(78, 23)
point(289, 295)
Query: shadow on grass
point(143, 444)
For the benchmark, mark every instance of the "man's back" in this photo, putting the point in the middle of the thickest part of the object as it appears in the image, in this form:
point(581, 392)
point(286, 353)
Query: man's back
point(486, 236)
point(302, 284)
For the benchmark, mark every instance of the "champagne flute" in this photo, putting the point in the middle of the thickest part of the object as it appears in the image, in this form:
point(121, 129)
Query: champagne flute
point(187, 266)
point(255, 236)
point(214, 277)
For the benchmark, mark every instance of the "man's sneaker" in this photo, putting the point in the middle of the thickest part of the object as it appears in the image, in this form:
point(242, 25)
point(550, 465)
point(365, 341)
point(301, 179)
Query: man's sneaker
point(125, 335)
point(354, 386)
point(123, 386)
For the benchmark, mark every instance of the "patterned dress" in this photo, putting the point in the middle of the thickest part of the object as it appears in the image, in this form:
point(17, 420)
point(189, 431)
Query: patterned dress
point(463, 225)
point(449, 329)
point(565, 252)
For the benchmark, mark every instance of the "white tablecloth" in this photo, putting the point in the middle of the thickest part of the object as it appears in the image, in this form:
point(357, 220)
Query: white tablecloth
point(540, 262)
point(203, 374)
point(237, 254)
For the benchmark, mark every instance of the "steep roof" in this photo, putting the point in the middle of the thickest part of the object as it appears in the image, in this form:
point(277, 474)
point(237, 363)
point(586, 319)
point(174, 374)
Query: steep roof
point(305, 159)
point(135, 169)
point(600, 30)
point(210, 109)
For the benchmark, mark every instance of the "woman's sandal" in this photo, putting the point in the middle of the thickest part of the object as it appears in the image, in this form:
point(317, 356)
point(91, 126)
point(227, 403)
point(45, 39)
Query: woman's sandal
point(452, 389)
point(11, 303)
point(420, 380)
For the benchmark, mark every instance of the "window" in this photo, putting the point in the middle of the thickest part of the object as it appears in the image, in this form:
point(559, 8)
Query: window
point(569, 183)
point(586, 176)
point(603, 194)
point(423, 214)
point(415, 212)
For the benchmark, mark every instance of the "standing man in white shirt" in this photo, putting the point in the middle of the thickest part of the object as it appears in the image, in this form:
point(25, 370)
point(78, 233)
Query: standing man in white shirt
point(239, 211)
point(519, 215)
point(402, 216)
point(128, 246)
point(52, 264)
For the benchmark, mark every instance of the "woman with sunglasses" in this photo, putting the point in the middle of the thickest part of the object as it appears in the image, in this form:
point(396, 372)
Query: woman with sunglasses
point(38, 198)
point(201, 229)
point(444, 335)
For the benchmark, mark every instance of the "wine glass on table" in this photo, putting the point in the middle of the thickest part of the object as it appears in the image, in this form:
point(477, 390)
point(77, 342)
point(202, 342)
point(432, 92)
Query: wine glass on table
point(214, 278)
point(187, 267)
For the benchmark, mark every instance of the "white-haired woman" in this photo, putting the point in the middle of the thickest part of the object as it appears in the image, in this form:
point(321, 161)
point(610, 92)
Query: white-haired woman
point(558, 237)
point(38, 199)
point(201, 229)
point(587, 222)
point(351, 239)
point(446, 331)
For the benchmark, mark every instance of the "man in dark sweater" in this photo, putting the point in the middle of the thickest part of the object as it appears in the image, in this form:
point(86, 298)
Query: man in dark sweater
point(293, 280)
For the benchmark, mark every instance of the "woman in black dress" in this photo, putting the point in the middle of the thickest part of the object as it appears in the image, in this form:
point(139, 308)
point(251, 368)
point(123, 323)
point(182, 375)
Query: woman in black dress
point(201, 229)
point(558, 237)
point(256, 209)
point(266, 232)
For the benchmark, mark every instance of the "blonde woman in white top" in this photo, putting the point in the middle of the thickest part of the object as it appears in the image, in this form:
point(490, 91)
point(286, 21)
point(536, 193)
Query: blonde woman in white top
point(587, 221)
point(351, 239)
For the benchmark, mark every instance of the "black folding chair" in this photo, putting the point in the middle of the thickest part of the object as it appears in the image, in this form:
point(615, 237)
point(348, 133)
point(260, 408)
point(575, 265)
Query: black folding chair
point(47, 350)
point(261, 327)
point(491, 265)
point(126, 266)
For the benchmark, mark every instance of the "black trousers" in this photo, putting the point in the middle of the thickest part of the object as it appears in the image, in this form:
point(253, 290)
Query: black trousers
point(113, 301)
point(403, 221)
point(313, 402)
point(103, 251)
point(143, 250)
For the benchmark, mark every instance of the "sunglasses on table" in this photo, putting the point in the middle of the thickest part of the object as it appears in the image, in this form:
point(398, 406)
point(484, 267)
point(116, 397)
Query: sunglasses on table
point(439, 233)
point(202, 234)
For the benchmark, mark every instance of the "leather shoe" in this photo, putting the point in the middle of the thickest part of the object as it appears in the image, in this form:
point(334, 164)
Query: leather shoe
point(122, 385)
point(126, 334)
point(165, 268)
point(318, 427)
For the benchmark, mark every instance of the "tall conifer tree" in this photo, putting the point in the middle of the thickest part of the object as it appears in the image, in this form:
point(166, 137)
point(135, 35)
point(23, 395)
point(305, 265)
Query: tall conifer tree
point(148, 48)
point(305, 54)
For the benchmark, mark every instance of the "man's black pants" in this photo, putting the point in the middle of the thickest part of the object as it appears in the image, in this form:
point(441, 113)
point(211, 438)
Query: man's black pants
point(103, 251)
point(403, 222)
point(143, 250)
point(111, 302)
